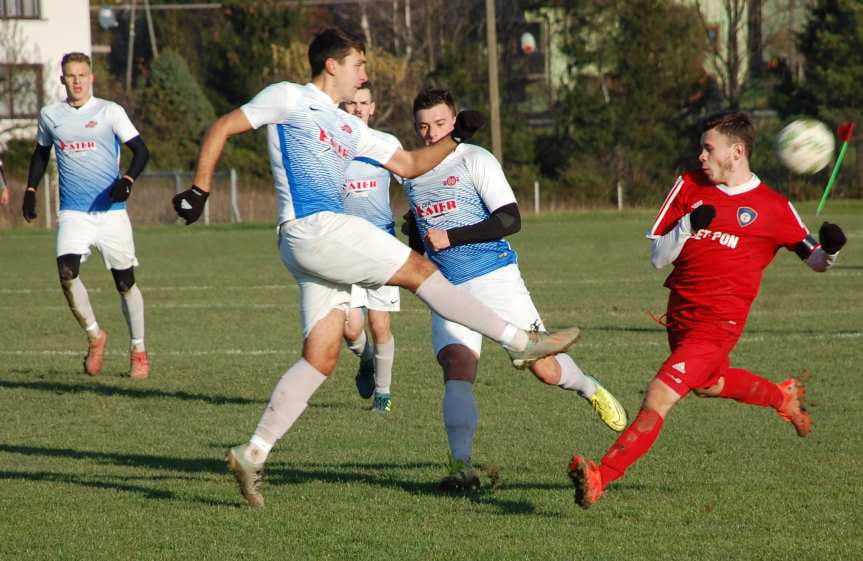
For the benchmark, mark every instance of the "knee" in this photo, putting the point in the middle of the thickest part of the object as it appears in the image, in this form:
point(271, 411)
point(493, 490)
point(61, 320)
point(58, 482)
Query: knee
point(68, 267)
point(380, 326)
point(124, 279)
point(458, 363)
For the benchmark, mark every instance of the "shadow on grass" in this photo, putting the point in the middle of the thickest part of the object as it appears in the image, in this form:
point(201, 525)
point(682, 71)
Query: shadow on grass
point(119, 485)
point(138, 393)
point(290, 475)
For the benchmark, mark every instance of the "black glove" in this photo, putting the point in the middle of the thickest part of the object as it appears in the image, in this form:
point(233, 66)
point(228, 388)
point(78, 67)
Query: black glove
point(701, 217)
point(832, 237)
point(29, 206)
point(120, 189)
point(189, 204)
point(466, 124)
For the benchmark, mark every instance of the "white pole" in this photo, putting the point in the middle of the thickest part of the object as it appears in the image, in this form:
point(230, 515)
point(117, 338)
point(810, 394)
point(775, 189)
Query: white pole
point(178, 186)
point(46, 188)
point(235, 209)
point(620, 195)
point(536, 197)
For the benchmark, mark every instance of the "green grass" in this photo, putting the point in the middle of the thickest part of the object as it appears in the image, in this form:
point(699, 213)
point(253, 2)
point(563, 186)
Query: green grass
point(107, 468)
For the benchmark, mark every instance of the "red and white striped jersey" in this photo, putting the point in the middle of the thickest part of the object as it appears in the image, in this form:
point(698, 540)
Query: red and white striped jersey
point(718, 272)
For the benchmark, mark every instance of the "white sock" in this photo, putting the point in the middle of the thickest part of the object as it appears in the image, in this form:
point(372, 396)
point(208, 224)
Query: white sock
point(384, 356)
point(79, 303)
point(572, 377)
point(460, 418)
point(290, 398)
point(358, 345)
point(257, 450)
point(459, 306)
point(132, 303)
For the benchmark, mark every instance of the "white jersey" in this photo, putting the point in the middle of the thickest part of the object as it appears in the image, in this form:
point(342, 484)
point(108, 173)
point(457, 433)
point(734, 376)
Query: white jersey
point(462, 190)
point(311, 142)
point(367, 188)
point(87, 144)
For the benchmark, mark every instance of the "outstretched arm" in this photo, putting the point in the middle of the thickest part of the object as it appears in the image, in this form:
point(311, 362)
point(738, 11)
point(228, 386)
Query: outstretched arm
point(821, 257)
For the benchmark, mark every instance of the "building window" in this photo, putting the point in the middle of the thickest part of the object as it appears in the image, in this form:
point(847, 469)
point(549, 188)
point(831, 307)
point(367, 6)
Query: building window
point(20, 9)
point(20, 91)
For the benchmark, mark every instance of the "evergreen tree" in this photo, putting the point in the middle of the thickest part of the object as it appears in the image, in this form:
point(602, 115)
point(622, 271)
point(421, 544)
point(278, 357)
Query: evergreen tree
point(173, 113)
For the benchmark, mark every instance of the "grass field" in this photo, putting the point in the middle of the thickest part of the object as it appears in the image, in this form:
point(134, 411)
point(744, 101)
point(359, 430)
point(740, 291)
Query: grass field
point(109, 469)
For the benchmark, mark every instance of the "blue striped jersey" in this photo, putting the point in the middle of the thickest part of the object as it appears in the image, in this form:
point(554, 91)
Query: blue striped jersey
point(367, 189)
point(311, 142)
point(463, 189)
point(87, 143)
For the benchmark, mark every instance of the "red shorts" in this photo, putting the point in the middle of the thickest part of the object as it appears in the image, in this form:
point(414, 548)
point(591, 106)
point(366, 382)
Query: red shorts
point(699, 354)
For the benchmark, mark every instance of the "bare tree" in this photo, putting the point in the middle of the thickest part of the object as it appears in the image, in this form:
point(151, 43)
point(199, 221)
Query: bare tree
point(728, 60)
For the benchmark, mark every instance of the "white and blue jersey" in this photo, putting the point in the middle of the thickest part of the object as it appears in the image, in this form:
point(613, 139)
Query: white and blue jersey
point(87, 142)
point(462, 190)
point(367, 189)
point(311, 143)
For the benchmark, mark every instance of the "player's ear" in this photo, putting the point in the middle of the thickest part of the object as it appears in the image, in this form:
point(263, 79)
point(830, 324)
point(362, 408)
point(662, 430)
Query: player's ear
point(371, 108)
point(330, 66)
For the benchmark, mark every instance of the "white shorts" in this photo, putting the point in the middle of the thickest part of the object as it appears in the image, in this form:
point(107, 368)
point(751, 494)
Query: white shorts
point(503, 291)
point(327, 252)
point(383, 299)
point(110, 232)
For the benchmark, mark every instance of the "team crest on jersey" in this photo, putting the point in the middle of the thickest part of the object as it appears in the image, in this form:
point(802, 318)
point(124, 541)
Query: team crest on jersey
point(746, 216)
point(450, 181)
point(91, 124)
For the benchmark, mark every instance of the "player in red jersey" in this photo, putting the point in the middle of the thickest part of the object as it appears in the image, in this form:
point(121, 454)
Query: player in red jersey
point(720, 226)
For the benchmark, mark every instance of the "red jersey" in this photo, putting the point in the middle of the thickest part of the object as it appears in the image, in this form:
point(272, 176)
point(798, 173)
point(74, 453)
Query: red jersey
point(718, 272)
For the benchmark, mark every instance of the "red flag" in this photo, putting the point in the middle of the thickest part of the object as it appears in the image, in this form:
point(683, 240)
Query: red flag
point(845, 131)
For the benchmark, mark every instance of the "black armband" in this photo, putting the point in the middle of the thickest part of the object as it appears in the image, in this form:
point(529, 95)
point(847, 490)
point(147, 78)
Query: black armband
point(38, 164)
point(504, 221)
point(140, 157)
point(805, 248)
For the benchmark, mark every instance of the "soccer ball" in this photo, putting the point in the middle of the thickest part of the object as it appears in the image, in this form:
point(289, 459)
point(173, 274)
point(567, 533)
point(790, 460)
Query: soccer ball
point(805, 146)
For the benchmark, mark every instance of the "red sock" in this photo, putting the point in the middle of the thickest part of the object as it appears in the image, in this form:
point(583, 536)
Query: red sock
point(635, 441)
point(744, 386)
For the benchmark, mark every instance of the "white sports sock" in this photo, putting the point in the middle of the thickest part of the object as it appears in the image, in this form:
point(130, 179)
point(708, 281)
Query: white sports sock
point(358, 345)
point(572, 377)
point(459, 306)
point(289, 399)
point(460, 417)
point(79, 303)
point(384, 356)
point(132, 303)
point(257, 450)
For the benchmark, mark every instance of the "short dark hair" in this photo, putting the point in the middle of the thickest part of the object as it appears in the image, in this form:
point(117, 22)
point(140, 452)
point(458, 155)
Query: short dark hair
point(429, 97)
point(74, 57)
point(367, 85)
point(332, 43)
point(734, 124)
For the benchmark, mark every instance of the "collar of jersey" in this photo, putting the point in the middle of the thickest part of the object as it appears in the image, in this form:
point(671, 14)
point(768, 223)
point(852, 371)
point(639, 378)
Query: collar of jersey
point(742, 188)
point(323, 98)
point(89, 101)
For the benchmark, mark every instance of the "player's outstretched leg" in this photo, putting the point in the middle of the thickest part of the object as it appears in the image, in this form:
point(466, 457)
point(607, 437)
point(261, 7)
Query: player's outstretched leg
point(459, 306)
point(564, 372)
point(786, 397)
point(607, 407)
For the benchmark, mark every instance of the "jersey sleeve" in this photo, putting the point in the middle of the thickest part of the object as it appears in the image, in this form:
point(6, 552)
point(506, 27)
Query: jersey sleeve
point(121, 124)
point(372, 146)
point(489, 179)
point(274, 104)
point(43, 134)
point(671, 211)
point(790, 229)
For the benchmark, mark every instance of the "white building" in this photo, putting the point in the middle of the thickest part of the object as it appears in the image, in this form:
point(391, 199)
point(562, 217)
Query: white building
point(34, 36)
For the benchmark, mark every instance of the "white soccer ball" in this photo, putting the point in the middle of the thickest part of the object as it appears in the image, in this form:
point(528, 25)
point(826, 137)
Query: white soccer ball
point(805, 146)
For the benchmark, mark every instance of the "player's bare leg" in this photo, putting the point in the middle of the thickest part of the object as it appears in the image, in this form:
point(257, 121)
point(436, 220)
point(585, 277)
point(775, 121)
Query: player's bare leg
point(420, 276)
point(289, 399)
point(76, 295)
point(591, 480)
point(560, 370)
point(359, 344)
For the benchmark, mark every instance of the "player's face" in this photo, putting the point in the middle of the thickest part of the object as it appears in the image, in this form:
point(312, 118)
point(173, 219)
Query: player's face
point(717, 155)
point(78, 79)
point(350, 74)
point(434, 123)
point(362, 105)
